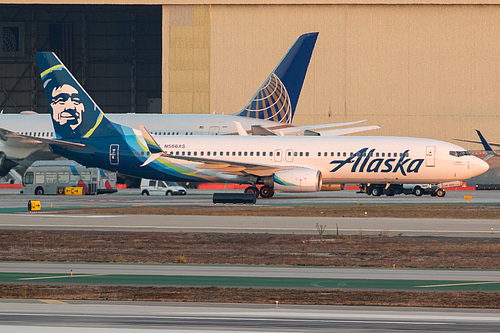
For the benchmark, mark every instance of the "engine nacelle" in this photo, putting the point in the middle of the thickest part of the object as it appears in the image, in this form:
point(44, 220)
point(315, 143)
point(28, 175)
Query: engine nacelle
point(298, 180)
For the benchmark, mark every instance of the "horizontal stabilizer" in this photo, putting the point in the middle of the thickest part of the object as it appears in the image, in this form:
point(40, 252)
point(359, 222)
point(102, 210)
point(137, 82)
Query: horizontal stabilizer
point(261, 131)
point(153, 146)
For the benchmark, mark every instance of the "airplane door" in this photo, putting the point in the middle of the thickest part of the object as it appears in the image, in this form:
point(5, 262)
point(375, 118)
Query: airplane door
point(277, 155)
point(289, 155)
point(213, 130)
point(430, 156)
point(114, 152)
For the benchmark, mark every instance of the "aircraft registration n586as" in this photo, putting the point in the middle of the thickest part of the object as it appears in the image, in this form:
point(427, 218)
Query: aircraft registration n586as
point(284, 163)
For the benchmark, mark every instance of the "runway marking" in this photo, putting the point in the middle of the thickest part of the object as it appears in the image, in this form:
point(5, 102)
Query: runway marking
point(51, 301)
point(457, 284)
point(61, 276)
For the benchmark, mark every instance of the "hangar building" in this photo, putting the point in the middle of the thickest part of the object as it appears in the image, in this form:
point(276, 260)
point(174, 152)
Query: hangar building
point(424, 68)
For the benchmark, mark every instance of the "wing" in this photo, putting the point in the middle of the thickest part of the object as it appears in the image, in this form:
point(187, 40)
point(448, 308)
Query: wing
point(223, 166)
point(478, 142)
point(24, 141)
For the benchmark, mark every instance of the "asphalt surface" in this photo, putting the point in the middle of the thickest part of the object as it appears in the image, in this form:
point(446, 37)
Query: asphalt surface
point(50, 316)
point(249, 224)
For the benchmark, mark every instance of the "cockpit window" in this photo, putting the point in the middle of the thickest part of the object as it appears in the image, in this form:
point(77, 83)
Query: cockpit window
point(459, 153)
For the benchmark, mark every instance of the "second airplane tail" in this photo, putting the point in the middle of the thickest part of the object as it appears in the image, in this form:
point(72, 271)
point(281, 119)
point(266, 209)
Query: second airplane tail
point(277, 98)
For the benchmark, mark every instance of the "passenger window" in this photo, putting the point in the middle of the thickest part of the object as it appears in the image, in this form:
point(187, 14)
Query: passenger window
point(345, 154)
point(189, 153)
point(295, 153)
point(307, 154)
point(239, 153)
point(245, 153)
point(257, 153)
point(270, 153)
point(319, 154)
point(388, 154)
point(383, 154)
point(183, 153)
point(325, 154)
point(376, 154)
point(251, 153)
point(234, 153)
point(301, 154)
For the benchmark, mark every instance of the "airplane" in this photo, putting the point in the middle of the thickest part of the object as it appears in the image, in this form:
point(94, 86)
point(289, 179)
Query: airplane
point(487, 145)
point(281, 163)
point(269, 112)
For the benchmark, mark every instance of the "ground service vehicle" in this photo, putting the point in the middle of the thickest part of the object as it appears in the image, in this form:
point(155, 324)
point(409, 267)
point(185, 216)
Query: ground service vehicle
point(159, 187)
point(46, 177)
point(393, 189)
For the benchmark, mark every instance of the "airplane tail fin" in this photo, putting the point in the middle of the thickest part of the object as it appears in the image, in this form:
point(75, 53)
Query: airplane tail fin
point(277, 98)
point(489, 151)
point(74, 113)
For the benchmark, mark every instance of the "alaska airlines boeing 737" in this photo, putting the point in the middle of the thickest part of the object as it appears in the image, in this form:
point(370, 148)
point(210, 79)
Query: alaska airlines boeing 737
point(269, 112)
point(284, 163)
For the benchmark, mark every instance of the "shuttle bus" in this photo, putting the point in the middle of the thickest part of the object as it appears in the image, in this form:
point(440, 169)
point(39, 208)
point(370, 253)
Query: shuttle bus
point(51, 177)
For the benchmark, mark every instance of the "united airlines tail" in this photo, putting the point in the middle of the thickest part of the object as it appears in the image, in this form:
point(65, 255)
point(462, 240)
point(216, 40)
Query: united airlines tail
point(74, 113)
point(277, 98)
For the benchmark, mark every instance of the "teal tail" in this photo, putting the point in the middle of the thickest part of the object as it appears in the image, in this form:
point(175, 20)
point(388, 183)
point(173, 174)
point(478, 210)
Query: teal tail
point(74, 113)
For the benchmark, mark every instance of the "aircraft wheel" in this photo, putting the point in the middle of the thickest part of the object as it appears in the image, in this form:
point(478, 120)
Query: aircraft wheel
point(39, 191)
point(266, 191)
point(376, 191)
point(252, 189)
point(418, 191)
point(440, 192)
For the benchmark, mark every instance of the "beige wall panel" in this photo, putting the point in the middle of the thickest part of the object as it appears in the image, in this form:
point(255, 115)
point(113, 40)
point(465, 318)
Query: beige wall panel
point(201, 82)
point(181, 80)
point(429, 71)
point(201, 100)
point(180, 100)
point(182, 58)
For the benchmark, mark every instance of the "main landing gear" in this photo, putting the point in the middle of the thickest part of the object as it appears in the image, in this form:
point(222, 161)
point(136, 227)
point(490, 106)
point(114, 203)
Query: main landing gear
point(265, 191)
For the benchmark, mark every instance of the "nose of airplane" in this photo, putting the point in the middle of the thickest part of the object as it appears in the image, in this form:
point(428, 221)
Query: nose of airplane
point(478, 166)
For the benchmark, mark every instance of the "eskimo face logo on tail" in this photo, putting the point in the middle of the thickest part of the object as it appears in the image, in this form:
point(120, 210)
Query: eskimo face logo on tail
point(271, 102)
point(363, 159)
point(67, 107)
point(74, 114)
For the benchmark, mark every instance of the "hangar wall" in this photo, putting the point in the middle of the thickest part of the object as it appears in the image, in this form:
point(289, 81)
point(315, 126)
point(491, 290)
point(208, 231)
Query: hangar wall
point(425, 71)
point(427, 68)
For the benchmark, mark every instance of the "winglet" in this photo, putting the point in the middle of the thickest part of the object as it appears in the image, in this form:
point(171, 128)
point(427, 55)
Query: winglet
point(241, 130)
point(485, 143)
point(153, 146)
point(486, 146)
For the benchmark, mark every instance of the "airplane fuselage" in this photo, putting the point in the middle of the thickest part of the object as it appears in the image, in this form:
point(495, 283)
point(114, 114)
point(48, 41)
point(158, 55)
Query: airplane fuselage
point(339, 159)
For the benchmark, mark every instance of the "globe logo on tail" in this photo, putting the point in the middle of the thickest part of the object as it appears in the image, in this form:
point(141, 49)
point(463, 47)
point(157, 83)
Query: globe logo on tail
point(271, 102)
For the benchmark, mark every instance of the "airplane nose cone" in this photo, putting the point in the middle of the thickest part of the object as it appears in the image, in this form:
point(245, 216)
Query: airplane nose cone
point(478, 166)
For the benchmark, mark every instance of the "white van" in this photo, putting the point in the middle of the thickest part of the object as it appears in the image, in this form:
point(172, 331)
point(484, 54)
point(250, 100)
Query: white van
point(159, 187)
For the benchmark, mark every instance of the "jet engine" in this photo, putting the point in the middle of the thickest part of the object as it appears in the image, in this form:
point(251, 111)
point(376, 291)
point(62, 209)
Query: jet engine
point(298, 180)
